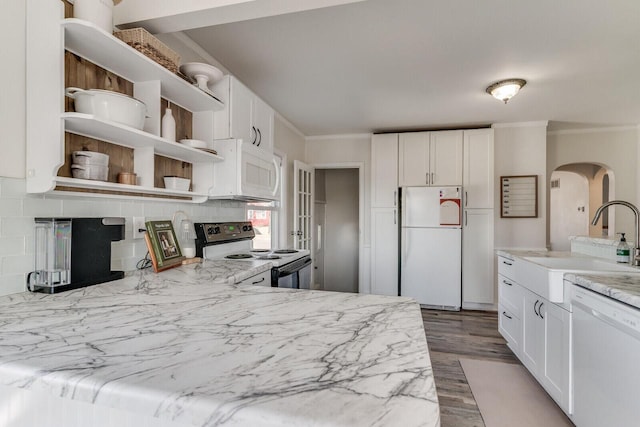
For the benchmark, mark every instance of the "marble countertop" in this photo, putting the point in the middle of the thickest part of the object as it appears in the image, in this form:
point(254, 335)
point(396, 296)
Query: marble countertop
point(622, 287)
point(521, 253)
point(185, 346)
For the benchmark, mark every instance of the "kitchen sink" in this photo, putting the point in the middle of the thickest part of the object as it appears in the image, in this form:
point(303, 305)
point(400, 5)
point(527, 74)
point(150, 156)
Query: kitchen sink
point(545, 275)
point(582, 264)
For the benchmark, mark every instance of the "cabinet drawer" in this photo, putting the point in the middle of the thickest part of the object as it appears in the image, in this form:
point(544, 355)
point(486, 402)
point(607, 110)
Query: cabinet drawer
point(262, 279)
point(510, 327)
point(510, 295)
point(506, 267)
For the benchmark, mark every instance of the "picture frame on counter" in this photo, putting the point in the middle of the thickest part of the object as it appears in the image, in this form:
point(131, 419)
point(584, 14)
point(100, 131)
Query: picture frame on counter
point(162, 242)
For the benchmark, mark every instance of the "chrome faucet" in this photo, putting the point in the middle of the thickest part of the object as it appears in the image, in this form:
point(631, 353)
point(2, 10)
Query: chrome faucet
point(636, 212)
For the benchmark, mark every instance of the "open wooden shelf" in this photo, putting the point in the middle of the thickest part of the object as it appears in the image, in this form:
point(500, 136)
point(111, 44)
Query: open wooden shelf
point(85, 39)
point(116, 133)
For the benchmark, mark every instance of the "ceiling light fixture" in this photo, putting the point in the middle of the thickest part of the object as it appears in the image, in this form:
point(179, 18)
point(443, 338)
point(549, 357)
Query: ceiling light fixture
point(504, 90)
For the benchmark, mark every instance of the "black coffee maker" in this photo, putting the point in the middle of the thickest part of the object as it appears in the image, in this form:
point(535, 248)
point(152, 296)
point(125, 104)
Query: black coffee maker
point(72, 253)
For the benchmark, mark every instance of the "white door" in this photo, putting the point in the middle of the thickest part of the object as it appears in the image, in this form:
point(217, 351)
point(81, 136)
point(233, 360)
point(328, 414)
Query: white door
point(384, 251)
point(478, 169)
point(240, 117)
point(420, 207)
point(384, 171)
point(413, 152)
point(446, 158)
point(477, 256)
point(303, 200)
point(431, 265)
point(262, 120)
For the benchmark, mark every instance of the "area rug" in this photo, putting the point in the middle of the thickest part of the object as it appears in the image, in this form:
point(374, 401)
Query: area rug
point(508, 396)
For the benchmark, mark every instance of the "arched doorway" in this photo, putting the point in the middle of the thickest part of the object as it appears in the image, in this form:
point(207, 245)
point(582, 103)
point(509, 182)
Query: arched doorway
point(576, 191)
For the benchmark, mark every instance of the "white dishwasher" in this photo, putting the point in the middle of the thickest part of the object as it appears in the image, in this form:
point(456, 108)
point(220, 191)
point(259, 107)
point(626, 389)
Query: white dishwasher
point(606, 361)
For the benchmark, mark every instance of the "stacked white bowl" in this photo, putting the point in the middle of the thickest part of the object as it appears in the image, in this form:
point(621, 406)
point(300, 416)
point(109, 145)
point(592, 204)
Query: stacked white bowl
point(90, 165)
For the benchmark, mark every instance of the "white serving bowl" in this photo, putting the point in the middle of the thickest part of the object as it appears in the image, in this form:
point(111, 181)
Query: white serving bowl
point(93, 172)
point(90, 158)
point(109, 105)
point(176, 183)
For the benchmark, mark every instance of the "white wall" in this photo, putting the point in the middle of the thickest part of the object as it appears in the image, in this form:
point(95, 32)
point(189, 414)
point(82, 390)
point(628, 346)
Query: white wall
point(617, 148)
point(290, 142)
point(341, 232)
point(13, 89)
point(521, 149)
point(567, 218)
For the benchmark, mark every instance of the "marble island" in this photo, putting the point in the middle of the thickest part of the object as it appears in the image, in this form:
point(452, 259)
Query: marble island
point(187, 348)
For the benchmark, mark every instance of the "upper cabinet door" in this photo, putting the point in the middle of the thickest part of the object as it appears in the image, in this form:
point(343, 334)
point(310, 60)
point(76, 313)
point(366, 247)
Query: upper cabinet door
point(384, 170)
point(414, 159)
point(241, 104)
point(446, 158)
point(263, 116)
point(478, 169)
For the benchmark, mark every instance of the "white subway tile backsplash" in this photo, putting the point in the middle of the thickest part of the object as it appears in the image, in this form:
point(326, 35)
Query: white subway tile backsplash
point(12, 246)
point(39, 207)
point(10, 207)
point(12, 188)
point(12, 283)
point(17, 210)
point(16, 227)
point(16, 264)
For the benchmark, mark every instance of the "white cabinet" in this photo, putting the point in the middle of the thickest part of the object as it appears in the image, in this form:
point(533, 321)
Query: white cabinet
point(430, 158)
point(246, 116)
point(384, 170)
point(47, 122)
point(384, 214)
point(478, 169)
point(556, 353)
point(384, 251)
point(546, 345)
point(262, 279)
point(477, 257)
point(510, 302)
point(477, 232)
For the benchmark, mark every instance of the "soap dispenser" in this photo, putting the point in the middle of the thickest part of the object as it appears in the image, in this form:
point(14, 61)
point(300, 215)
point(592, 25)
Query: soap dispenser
point(623, 250)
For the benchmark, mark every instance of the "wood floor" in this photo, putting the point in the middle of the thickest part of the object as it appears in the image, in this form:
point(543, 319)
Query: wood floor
point(454, 335)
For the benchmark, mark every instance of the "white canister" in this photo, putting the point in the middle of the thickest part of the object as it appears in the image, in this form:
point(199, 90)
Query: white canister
point(99, 12)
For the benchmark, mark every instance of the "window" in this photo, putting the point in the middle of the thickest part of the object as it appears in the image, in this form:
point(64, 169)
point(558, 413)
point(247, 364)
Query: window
point(264, 218)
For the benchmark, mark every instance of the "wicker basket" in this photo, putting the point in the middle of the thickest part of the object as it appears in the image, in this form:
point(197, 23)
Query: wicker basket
point(142, 41)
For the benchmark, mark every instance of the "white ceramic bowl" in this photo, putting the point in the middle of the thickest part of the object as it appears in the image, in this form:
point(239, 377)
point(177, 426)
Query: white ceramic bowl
point(176, 183)
point(194, 143)
point(204, 74)
point(90, 158)
point(109, 105)
point(93, 172)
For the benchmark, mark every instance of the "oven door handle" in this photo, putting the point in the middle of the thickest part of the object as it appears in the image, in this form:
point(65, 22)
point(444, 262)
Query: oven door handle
point(289, 271)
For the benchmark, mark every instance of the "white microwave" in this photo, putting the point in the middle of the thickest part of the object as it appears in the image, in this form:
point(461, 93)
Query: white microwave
point(247, 172)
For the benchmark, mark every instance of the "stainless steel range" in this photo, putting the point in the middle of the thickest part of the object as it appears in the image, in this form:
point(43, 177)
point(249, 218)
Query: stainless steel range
point(232, 241)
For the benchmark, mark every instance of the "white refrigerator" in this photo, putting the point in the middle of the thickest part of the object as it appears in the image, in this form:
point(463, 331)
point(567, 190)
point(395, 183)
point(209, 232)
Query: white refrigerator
point(431, 246)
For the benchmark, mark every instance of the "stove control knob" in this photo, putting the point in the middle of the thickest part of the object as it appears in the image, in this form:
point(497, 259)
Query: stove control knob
point(217, 230)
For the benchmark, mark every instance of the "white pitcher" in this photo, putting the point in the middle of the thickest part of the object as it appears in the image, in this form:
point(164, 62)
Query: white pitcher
point(99, 12)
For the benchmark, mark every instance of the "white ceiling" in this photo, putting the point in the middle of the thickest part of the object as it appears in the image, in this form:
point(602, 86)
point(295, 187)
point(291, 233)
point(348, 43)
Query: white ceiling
point(382, 65)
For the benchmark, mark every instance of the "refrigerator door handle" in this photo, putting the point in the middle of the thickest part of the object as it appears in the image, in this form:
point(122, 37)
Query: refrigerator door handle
point(395, 200)
point(465, 218)
point(395, 220)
